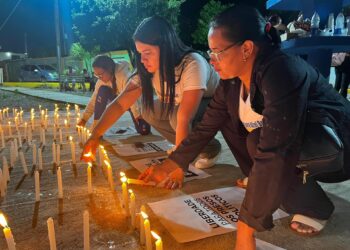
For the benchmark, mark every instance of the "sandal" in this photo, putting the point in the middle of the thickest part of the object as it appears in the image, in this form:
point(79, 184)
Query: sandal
point(242, 182)
point(315, 225)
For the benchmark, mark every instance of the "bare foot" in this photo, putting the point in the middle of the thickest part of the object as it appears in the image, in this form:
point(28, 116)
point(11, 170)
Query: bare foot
point(303, 229)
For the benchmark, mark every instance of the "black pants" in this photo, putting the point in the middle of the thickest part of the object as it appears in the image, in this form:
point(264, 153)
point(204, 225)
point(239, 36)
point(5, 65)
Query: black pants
point(307, 199)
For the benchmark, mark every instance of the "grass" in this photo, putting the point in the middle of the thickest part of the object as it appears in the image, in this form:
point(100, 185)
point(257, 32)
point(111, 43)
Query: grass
point(32, 85)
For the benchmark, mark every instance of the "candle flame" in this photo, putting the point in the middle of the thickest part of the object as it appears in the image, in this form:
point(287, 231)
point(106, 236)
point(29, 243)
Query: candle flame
point(107, 163)
point(3, 221)
point(130, 191)
point(156, 236)
point(89, 164)
point(144, 215)
point(122, 174)
point(70, 138)
point(88, 154)
point(102, 147)
point(124, 179)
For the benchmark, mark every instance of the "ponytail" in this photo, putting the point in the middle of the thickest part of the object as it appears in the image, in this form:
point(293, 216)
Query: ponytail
point(272, 35)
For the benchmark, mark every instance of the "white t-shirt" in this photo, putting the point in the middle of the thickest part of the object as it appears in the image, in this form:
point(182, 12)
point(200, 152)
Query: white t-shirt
point(193, 73)
point(250, 119)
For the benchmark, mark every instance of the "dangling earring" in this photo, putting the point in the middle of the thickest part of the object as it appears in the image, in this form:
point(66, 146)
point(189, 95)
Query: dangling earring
point(244, 59)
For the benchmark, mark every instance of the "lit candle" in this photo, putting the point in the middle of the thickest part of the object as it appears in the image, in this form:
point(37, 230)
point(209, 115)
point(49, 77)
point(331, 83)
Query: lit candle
point(142, 228)
point(19, 138)
point(30, 136)
point(72, 147)
point(89, 156)
point(53, 153)
point(61, 137)
point(110, 175)
point(89, 178)
point(44, 137)
point(59, 182)
point(8, 234)
point(32, 122)
point(12, 154)
point(10, 130)
point(34, 154)
point(23, 162)
point(54, 131)
point(66, 123)
point(16, 147)
point(40, 156)
point(58, 154)
point(51, 230)
point(125, 192)
point(25, 130)
point(37, 186)
point(2, 139)
point(140, 182)
point(159, 243)
point(147, 226)
point(86, 230)
point(3, 184)
point(5, 168)
point(132, 209)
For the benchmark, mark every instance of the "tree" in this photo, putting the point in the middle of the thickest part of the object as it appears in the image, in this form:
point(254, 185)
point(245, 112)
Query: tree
point(111, 23)
point(85, 56)
point(208, 11)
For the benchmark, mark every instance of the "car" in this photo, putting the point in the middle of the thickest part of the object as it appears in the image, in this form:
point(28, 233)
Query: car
point(38, 72)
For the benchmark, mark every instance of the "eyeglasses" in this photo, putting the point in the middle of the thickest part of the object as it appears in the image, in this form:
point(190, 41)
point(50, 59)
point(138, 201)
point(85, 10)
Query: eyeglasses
point(215, 55)
point(99, 76)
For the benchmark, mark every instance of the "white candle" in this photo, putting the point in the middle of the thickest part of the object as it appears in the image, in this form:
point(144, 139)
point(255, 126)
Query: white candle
point(61, 137)
point(8, 234)
point(132, 209)
point(142, 227)
point(59, 182)
point(3, 184)
point(19, 138)
point(110, 175)
point(44, 136)
point(58, 154)
point(51, 231)
point(32, 122)
point(53, 153)
point(12, 154)
point(37, 186)
point(125, 193)
point(159, 243)
point(72, 149)
point(2, 139)
point(147, 226)
point(16, 147)
point(10, 130)
point(54, 131)
point(5, 167)
point(30, 138)
point(23, 162)
point(25, 130)
point(86, 230)
point(40, 157)
point(34, 154)
point(89, 178)
point(100, 155)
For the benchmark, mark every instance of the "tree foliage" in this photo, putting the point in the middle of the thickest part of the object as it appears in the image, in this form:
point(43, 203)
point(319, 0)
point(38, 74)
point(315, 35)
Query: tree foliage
point(111, 23)
point(85, 56)
point(208, 11)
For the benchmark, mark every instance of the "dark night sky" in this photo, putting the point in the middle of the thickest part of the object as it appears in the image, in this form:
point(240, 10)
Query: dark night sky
point(36, 18)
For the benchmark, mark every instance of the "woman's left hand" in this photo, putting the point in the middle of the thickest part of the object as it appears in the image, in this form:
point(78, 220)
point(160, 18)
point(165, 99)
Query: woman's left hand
point(245, 239)
point(167, 174)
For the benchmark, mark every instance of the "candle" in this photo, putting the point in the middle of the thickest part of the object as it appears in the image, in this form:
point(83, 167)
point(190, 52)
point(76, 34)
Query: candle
point(132, 209)
point(2, 139)
point(3, 184)
point(19, 138)
point(51, 230)
point(5, 168)
point(54, 131)
point(59, 182)
point(32, 121)
point(72, 149)
point(23, 162)
point(89, 156)
point(37, 186)
point(66, 123)
point(58, 154)
point(89, 178)
point(53, 153)
point(110, 176)
point(100, 155)
point(125, 192)
point(86, 230)
point(12, 154)
point(25, 130)
point(140, 182)
point(16, 147)
point(30, 136)
point(147, 226)
point(40, 156)
point(7, 232)
point(142, 228)
point(34, 154)
point(10, 131)
point(61, 137)
point(44, 137)
point(159, 243)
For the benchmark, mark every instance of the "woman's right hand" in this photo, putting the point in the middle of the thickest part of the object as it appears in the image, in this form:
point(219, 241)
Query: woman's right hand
point(81, 123)
point(89, 149)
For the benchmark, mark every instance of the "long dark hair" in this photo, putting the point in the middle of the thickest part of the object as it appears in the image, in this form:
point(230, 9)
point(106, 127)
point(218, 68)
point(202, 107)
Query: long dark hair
point(157, 31)
point(242, 22)
point(108, 65)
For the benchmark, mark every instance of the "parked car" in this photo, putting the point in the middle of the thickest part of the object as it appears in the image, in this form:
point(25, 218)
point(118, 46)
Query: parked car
point(37, 72)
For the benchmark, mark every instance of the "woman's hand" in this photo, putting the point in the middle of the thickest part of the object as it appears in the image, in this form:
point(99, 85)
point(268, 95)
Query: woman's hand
point(245, 237)
point(81, 123)
point(89, 149)
point(167, 174)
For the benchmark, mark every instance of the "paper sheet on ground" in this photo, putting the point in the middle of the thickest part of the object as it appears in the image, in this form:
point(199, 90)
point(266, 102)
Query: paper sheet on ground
point(192, 173)
point(141, 148)
point(201, 215)
point(119, 131)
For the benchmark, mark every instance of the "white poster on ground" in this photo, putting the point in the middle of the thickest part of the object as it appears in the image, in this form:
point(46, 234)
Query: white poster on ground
point(201, 215)
point(192, 173)
point(141, 148)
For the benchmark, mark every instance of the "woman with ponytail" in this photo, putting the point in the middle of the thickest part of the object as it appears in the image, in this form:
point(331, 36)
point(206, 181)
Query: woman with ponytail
point(112, 78)
point(261, 107)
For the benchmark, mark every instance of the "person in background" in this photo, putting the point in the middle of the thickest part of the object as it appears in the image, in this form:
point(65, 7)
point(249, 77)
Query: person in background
point(112, 78)
point(176, 84)
point(262, 106)
point(341, 63)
